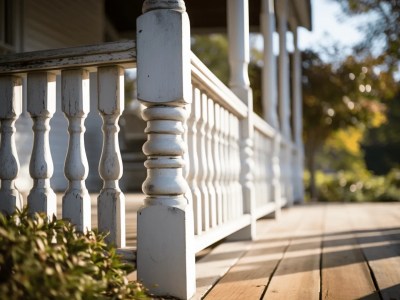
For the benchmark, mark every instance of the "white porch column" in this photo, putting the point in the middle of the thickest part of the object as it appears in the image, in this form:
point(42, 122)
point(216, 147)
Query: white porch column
point(297, 115)
point(269, 94)
point(284, 79)
point(239, 57)
point(269, 82)
point(165, 251)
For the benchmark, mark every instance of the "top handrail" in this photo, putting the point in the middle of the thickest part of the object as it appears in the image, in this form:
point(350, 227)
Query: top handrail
point(262, 126)
point(122, 53)
point(203, 77)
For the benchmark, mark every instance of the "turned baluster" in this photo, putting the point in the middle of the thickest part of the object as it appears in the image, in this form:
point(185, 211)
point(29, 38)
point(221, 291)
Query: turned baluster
point(203, 165)
point(208, 103)
point(41, 97)
point(229, 169)
point(256, 170)
point(224, 165)
point(10, 109)
point(239, 164)
point(266, 152)
point(193, 174)
point(111, 201)
point(217, 165)
point(75, 105)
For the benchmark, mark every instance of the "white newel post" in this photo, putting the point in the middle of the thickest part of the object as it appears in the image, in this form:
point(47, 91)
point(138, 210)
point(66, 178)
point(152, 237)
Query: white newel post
point(75, 105)
point(111, 201)
point(297, 115)
point(239, 57)
point(269, 95)
point(41, 97)
point(10, 109)
point(165, 251)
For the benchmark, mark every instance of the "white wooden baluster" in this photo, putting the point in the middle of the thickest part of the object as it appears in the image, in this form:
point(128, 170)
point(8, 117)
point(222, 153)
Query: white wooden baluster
point(186, 166)
point(276, 173)
point(263, 164)
point(217, 165)
point(41, 97)
point(238, 169)
point(203, 165)
point(165, 222)
point(193, 175)
point(208, 106)
point(256, 169)
point(224, 165)
point(231, 168)
point(260, 168)
point(235, 167)
point(265, 153)
point(75, 105)
point(269, 166)
point(229, 165)
point(111, 201)
point(10, 109)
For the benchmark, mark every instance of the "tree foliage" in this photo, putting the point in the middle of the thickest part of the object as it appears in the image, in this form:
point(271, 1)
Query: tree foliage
point(382, 144)
point(339, 99)
point(382, 28)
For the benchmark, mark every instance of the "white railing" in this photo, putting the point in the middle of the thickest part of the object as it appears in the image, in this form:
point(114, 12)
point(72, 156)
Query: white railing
point(263, 166)
point(213, 160)
point(227, 146)
point(73, 65)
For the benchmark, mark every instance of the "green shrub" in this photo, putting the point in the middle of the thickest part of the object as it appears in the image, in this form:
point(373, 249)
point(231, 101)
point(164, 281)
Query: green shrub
point(48, 259)
point(351, 186)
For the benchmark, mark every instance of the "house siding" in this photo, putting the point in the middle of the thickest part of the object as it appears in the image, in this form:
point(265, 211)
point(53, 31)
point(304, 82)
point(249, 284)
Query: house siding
point(57, 24)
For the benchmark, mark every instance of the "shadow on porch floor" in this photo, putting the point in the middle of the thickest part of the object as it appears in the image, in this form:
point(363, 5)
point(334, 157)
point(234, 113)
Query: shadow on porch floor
point(320, 251)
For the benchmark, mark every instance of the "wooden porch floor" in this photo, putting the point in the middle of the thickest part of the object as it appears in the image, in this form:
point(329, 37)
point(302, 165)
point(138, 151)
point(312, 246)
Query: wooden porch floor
point(331, 251)
point(320, 251)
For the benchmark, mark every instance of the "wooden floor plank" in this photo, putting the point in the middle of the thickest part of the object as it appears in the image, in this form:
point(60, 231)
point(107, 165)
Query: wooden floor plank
point(297, 275)
point(249, 277)
point(216, 263)
point(345, 274)
point(377, 233)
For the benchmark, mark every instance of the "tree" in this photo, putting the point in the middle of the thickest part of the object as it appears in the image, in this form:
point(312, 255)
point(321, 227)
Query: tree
point(382, 144)
point(337, 96)
point(382, 29)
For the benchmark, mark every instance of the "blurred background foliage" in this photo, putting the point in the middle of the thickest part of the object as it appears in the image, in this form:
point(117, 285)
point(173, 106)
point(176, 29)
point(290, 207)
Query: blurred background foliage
point(351, 106)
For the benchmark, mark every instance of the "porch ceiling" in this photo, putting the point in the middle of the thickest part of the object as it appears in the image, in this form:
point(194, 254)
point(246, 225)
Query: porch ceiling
point(210, 17)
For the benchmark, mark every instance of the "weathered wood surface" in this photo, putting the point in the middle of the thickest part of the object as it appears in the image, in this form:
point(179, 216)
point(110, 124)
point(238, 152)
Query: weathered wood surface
point(123, 53)
point(333, 251)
